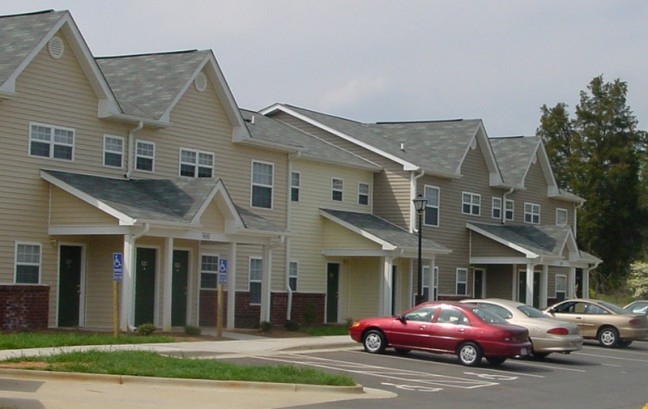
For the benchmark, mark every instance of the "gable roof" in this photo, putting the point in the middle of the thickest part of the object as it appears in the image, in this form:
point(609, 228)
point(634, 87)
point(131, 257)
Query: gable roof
point(267, 131)
point(25, 35)
point(382, 232)
point(170, 202)
point(437, 147)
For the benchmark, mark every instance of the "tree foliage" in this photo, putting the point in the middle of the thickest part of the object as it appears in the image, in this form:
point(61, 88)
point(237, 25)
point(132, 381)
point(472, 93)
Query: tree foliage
point(638, 280)
point(597, 155)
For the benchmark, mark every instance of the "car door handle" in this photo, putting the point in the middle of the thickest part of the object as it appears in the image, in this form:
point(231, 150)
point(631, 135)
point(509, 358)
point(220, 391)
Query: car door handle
point(462, 330)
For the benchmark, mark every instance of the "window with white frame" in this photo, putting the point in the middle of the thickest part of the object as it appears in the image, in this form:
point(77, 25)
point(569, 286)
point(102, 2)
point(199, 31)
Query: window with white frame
point(509, 206)
point(145, 156)
point(561, 287)
point(293, 268)
point(561, 217)
point(208, 271)
point(462, 281)
point(426, 283)
point(432, 195)
point(532, 213)
point(113, 151)
point(262, 184)
point(295, 182)
point(337, 189)
point(27, 263)
point(471, 204)
point(363, 193)
point(256, 272)
point(51, 142)
point(496, 209)
point(196, 164)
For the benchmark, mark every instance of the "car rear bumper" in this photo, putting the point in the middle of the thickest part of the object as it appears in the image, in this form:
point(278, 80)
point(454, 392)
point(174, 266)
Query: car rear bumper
point(633, 333)
point(566, 343)
point(506, 349)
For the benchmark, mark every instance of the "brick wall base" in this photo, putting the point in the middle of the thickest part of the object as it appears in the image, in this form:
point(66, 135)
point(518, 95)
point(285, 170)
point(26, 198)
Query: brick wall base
point(23, 307)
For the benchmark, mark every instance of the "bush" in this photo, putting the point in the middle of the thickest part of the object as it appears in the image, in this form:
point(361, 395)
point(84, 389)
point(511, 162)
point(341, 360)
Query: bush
point(193, 331)
point(146, 329)
point(265, 326)
point(292, 325)
point(638, 280)
point(310, 316)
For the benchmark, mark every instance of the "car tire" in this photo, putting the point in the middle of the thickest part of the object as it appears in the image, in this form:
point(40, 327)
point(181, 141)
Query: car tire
point(624, 343)
point(496, 360)
point(608, 337)
point(402, 351)
point(374, 342)
point(540, 355)
point(469, 354)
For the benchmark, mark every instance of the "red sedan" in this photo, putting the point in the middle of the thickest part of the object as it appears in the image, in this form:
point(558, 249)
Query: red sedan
point(467, 330)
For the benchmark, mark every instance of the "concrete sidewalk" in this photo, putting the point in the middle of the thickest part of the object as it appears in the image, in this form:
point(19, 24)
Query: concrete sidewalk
point(39, 389)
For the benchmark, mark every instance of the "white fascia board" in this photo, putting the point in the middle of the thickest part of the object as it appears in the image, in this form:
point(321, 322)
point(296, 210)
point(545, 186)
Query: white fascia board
point(346, 252)
point(124, 220)
point(498, 260)
point(384, 244)
point(526, 252)
point(407, 166)
point(87, 230)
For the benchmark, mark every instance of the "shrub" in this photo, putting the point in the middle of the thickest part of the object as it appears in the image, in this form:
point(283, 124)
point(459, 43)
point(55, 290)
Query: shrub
point(265, 326)
point(638, 280)
point(291, 325)
point(310, 316)
point(191, 330)
point(146, 329)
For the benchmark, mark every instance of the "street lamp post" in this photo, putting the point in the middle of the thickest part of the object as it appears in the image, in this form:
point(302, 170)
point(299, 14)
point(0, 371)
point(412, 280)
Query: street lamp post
point(419, 205)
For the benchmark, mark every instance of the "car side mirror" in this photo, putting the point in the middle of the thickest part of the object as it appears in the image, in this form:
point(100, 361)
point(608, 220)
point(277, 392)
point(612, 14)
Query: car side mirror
point(401, 318)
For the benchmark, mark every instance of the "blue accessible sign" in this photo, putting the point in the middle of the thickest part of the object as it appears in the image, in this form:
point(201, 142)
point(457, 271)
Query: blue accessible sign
point(118, 266)
point(222, 271)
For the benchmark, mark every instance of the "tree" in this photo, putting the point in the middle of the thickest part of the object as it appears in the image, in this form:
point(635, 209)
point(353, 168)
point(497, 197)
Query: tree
point(597, 155)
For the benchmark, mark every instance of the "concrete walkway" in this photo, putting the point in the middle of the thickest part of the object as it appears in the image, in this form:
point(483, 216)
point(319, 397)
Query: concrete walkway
point(39, 389)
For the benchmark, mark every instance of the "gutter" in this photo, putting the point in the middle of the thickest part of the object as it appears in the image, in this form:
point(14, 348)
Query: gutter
point(504, 204)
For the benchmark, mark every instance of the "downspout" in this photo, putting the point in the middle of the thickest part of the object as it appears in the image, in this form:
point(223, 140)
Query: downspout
point(503, 215)
point(131, 152)
point(289, 290)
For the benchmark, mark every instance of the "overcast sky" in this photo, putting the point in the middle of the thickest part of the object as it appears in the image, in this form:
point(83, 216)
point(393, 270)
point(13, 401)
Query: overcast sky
point(378, 60)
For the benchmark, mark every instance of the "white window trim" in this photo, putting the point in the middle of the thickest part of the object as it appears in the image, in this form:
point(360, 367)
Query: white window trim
point(368, 194)
point(506, 209)
point(334, 189)
point(471, 203)
point(566, 214)
point(464, 282)
point(137, 155)
point(39, 264)
point(260, 281)
point(52, 143)
point(534, 211)
point(121, 153)
point(208, 271)
point(436, 206)
point(295, 275)
point(196, 165)
point(253, 184)
point(497, 206)
point(294, 186)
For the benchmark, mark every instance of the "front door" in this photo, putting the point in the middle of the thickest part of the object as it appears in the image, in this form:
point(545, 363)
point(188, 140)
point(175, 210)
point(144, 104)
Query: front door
point(179, 288)
point(69, 286)
point(522, 288)
point(145, 286)
point(479, 284)
point(332, 282)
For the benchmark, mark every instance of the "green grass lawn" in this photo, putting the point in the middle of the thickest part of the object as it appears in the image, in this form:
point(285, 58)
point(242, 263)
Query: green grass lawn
point(45, 339)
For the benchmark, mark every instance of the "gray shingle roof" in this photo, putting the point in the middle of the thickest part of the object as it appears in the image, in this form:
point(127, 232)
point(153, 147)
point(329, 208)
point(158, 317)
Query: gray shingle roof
point(514, 156)
point(20, 34)
point(385, 230)
point(146, 85)
point(541, 240)
point(268, 129)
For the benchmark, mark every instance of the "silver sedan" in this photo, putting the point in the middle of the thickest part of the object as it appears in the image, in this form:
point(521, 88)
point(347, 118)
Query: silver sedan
point(547, 334)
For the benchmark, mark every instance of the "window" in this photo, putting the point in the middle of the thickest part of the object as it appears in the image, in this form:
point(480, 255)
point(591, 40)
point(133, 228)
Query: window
point(294, 186)
point(561, 287)
point(508, 211)
point(426, 283)
point(196, 164)
point(256, 270)
point(431, 217)
point(292, 275)
point(496, 212)
point(51, 142)
point(113, 151)
point(531, 213)
point(561, 217)
point(337, 189)
point(262, 179)
point(462, 281)
point(208, 271)
point(363, 194)
point(471, 204)
point(144, 156)
point(28, 263)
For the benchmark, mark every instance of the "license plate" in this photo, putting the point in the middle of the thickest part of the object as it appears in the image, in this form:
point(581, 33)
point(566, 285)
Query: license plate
point(524, 352)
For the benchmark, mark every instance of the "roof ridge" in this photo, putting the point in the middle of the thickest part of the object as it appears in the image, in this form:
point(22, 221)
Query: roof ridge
point(31, 13)
point(148, 54)
point(423, 121)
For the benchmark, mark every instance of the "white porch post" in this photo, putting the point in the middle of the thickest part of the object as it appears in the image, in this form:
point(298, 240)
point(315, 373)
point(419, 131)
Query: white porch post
point(385, 307)
point(126, 313)
point(571, 283)
point(231, 287)
point(266, 276)
point(586, 284)
point(167, 295)
point(529, 284)
point(544, 286)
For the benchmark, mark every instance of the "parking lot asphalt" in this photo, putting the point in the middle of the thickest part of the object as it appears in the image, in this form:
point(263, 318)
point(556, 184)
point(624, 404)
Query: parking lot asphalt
point(27, 389)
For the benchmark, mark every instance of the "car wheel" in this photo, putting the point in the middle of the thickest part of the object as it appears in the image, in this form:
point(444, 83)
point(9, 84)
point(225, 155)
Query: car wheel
point(469, 354)
point(608, 337)
point(496, 360)
point(374, 341)
point(624, 343)
point(402, 351)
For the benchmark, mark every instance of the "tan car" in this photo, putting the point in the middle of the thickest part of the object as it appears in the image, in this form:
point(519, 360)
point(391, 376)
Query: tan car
point(601, 320)
point(546, 334)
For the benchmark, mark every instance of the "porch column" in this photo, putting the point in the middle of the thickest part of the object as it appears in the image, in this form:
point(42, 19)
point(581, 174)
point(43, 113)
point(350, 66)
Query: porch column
point(266, 276)
point(127, 312)
point(585, 290)
point(231, 288)
point(529, 284)
point(544, 285)
point(571, 283)
point(385, 307)
point(167, 295)
point(430, 280)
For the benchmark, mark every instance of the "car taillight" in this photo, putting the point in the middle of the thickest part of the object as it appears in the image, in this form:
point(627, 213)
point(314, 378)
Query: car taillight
point(558, 331)
point(635, 321)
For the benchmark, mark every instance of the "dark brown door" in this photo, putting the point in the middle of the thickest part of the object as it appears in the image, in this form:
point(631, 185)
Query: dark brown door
point(69, 286)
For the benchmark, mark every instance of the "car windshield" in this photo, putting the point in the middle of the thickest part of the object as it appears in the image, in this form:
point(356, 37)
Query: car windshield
point(612, 307)
point(531, 312)
point(637, 308)
point(488, 316)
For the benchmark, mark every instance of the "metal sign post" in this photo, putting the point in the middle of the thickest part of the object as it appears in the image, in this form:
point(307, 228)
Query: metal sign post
point(222, 279)
point(118, 273)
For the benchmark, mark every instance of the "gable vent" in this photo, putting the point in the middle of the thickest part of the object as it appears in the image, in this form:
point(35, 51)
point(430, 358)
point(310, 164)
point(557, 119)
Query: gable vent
point(200, 82)
point(56, 47)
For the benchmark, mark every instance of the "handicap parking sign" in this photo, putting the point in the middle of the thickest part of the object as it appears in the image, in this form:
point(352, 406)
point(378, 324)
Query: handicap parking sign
point(118, 266)
point(222, 271)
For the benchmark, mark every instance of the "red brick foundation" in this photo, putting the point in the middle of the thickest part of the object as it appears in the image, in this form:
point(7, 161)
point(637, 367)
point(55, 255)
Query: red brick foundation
point(23, 307)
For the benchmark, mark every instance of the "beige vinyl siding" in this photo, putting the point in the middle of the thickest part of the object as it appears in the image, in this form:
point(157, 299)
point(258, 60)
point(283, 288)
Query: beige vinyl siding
point(68, 210)
point(212, 219)
point(99, 279)
point(359, 280)
point(484, 247)
point(338, 237)
point(499, 281)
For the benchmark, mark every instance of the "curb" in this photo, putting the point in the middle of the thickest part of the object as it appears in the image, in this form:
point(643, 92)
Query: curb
point(148, 380)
